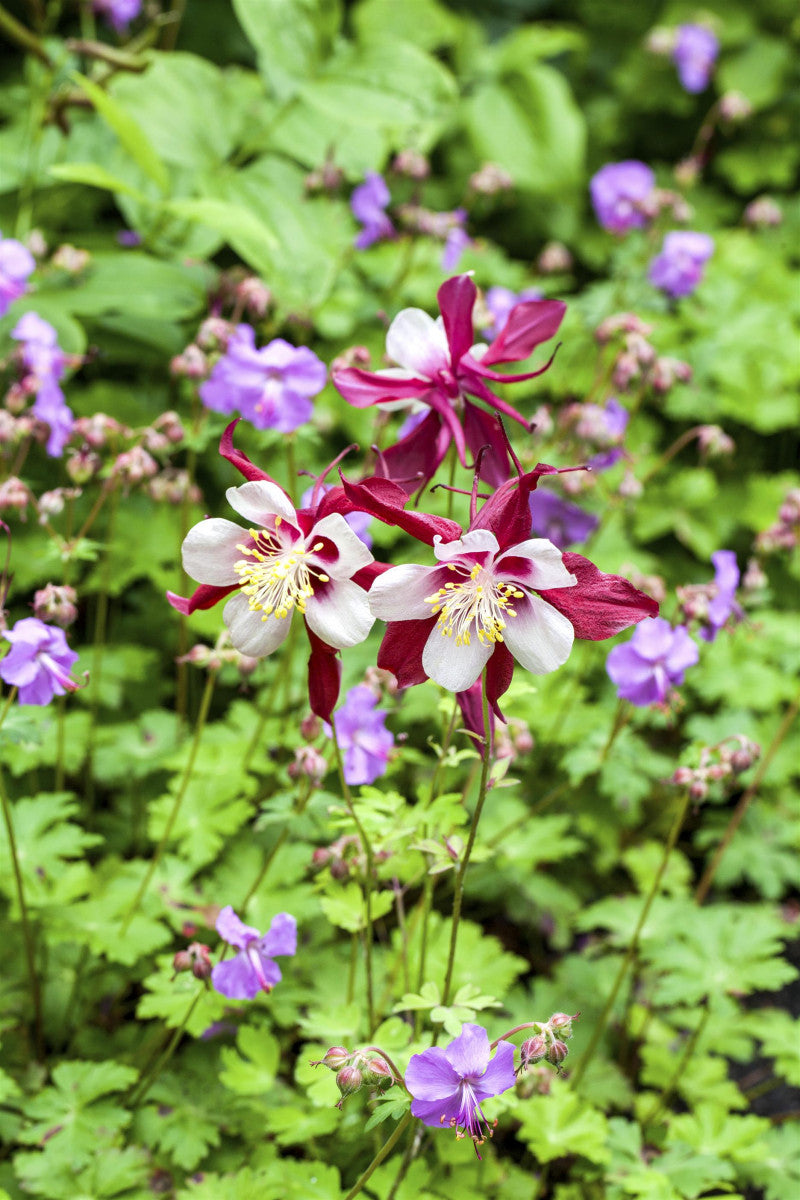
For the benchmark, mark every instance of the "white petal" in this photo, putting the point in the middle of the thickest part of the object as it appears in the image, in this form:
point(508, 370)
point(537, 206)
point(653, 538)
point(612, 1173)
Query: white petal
point(209, 551)
point(416, 342)
point(475, 541)
point(340, 614)
point(546, 569)
point(539, 636)
point(353, 554)
point(259, 499)
point(249, 634)
point(398, 405)
point(455, 667)
point(399, 594)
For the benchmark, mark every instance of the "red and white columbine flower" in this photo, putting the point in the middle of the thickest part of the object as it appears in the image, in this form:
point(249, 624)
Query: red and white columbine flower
point(494, 596)
point(307, 561)
point(440, 365)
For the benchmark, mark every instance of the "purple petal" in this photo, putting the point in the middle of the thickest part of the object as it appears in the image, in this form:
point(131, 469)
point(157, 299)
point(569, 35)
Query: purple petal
point(281, 937)
point(437, 1113)
point(430, 1076)
point(499, 1075)
point(469, 1052)
point(236, 978)
point(233, 931)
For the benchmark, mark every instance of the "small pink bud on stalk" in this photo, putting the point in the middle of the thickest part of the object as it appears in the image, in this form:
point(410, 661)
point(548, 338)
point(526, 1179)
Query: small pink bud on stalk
point(311, 727)
point(214, 334)
point(191, 363)
point(15, 494)
point(377, 1072)
point(532, 1050)
point(554, 259)
point(82, 465)
point(353, 356)
point(70, 259)
point(254, 295)
point(134, 466)
point(348, 1080)
point(763, 213)
point(411, 164)
point(714, 442)
point(557, 1051)
point(195, 958)
point(734, 106)
point(309, 762)
point(743, 758)
point(490, 179)
point(754, 579)
point(56, 604)
point(698, 790)
point(335, 1058)
point(562, 1023)
point(687, 172)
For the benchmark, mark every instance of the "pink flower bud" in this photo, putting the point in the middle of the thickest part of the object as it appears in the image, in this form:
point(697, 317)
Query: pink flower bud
point(214, 334)
point(556, 1052)
point(353, 356)
point(56, 605)
point(554, 259)
point(15, 494)
point(309, 762)
point(335, 1058)
point(71, 259)
point(412, 164)
point(377, 1071)
point(254, 294)
point(82, 465)
point(563, 1023)
point(714, 442)
point(490, 179)
point(733, 106)
point(348, 1080)
point(311, 727)
point(763, 213)
point(683, 776)
point(698, 790)
point(134, 465)
point(533, 1049)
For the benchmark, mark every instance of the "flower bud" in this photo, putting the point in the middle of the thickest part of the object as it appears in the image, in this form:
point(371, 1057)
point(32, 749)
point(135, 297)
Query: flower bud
point(629, 486)
point(353, 356)
point(348, 1080)
point(490, 179)
point(376, 1071)
point(562, 1022)
point(698, 790)
point(687, 171)
point(533, 1050)
point(311, 727)
point(254, 294)
point(743, 758)
point(15, 494)
point(56, 604)
point(556, 1052)
point(683, 776)
point(191, 363)
point(412, 164)
point(309, 762)
point(335, 1058)
point(214, 334)
point(754, 578)
point(82, 465)
point(554, 259)
point(763, 213)
point(134, 465)
point(734, 106)
point(714, 442)
point(195, 958)
point(660, 41)
point(70, 259)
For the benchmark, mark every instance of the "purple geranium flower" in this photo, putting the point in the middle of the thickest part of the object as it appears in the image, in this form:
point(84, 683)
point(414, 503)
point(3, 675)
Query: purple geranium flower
point(678, 269)
point(118, 12)
point(46, 362)
point(252, 970)
point(455, 243)
point(449, 1084)
point(618, 191)
point(694, 54)
point(723, 603)
point(367, 205)
point(16, 264)
point(39, 661)
point(561, 522)
point(652, 662)
point(362, 735)
point(500, 301)
point(271, 387)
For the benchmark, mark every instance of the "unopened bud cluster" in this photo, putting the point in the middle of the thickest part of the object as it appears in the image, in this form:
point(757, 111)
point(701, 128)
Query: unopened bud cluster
point(724, 761)
point(357, 1069)
point(345, 856)
point(195, 958)
point(784, 534)
point(548, 1043)
point(637, 360)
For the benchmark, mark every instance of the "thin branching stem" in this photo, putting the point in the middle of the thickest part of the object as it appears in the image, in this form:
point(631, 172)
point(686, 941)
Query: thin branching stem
point(385, 1150)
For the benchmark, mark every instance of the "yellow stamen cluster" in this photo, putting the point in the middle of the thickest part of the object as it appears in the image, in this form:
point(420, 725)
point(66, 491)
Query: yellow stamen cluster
point(477, 598)
point(274, 579)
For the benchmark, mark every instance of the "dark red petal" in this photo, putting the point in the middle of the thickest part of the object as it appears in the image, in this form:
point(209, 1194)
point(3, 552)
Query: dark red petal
point(471, 704)
point(368, 574)
point(478, 368)
point(238, 458)
point(205, 596)
point(499, 670)
point(599, 605)
point(529, 323)
point(401, 650)
point(333, 501)
point(324, 676)
point(414, 460)
point(456, 299)
point(385, 499)
point(476, 387)
point(507, 513)
point(362, 388)
point(483, 430)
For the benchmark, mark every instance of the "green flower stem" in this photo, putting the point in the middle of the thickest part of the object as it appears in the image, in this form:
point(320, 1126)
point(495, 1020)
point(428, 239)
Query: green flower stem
point(205, 704)
point(60, 732)
point(27, 932)
point(412, 1150)
point(462, 869)
point(707, 879)
point(621, 718)
point(385, 1150)
point(633, 946)
point(100, 627)
point(688, 1051)
point(365, 842)
point(147, 1080)
point(269, 857)
point(15, 31)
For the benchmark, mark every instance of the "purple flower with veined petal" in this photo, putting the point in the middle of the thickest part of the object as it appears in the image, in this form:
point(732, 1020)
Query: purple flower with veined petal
point(618, 191)
point(678, 269)
point(694, 54)
point(16, 264)
point(448, 1085)
point(46, 362)
point(362, 735)
point(118, 12)
point(500, 301)
point(253, 969)
point(561, 522)
point(39, 661)
point(367, 205)
point(723, 603)
point(271, 387)
point(652, 662)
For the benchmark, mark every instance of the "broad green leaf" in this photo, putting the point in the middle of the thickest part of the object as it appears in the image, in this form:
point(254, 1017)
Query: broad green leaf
point(290, 37)
point(563, 1123)
point(93, 175)
point(127, 130)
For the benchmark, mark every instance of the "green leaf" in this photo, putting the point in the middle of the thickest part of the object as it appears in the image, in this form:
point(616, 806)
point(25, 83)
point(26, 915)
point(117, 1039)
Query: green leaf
point(93, 175)
point(777, 1030)
point(252, 1071)
point(127, 130)
point(245, 232)
point(346, 907)
point(68, 1115)
point(563, 1123)
point(290, 38)
point(393, 1106)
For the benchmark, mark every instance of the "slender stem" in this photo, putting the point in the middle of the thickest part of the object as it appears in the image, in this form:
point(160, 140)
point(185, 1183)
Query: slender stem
point(402, 925)
point(368, 855)
point(448, 737)
point(517, 1029)
point(741, 808)
point(621, 718)
point(148, 1079)
point(462, 869)
point(380, 1156)
point(205, 704)
point(412, 1150)
point(271, 854)
point(15, 31)
point(453, 458)
point(27, 932)
point(60, 732)
point(688, 1051)
point(630, 953)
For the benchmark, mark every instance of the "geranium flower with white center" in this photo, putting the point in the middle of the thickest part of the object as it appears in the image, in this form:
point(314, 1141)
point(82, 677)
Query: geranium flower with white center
point(440, 366)
point(307, 562)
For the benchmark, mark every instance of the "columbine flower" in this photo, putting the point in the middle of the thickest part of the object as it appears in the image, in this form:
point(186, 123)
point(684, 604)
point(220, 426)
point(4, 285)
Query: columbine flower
point(367, 205)
point(359, 522)
point(439, 367)
point(618, 192)
point(652, 662)
point(362, 735)
point(678, 269)
point(449, 1084)
point(118, 12)
point(253, 969)
point(46, 363)
point(563, 523)
point(16, 264)
point(39, 661)
point(500, 301)
point(495, 595)
point(307, 561)
point(694, 54)
point(271, 387)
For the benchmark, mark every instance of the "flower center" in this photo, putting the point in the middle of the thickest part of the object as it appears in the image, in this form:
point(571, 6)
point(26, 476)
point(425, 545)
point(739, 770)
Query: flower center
point(275, 579)
point(254, 958)
point(478, 600)
point(470, 1121)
